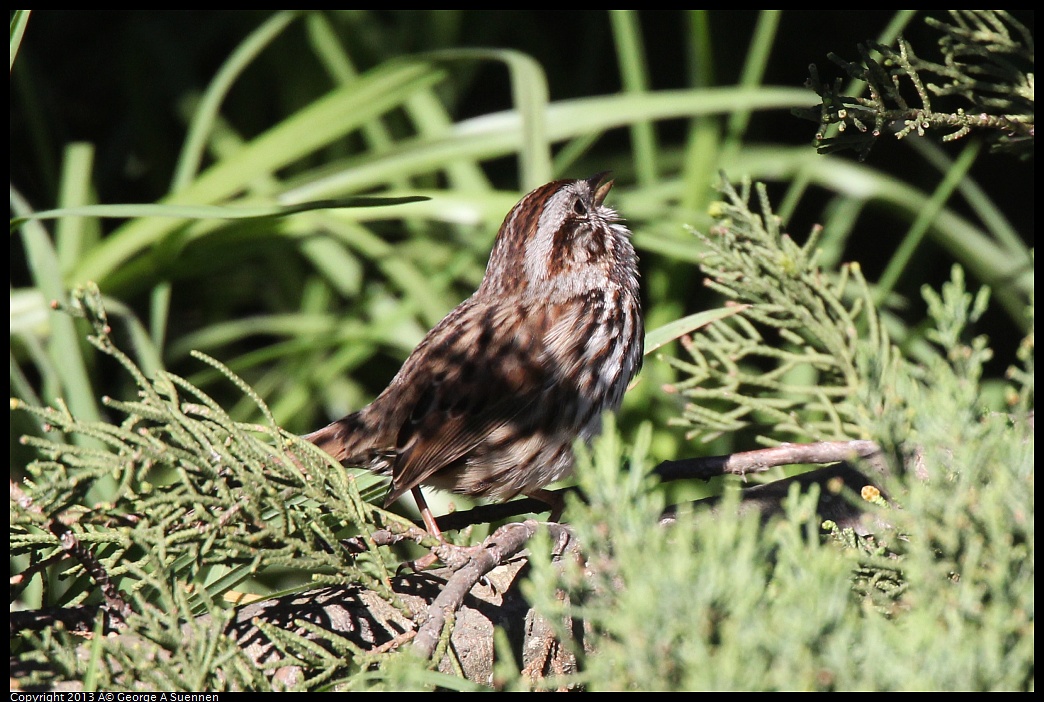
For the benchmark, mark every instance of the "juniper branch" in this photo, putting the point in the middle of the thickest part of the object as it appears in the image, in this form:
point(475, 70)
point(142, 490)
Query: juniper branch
point(987, 62)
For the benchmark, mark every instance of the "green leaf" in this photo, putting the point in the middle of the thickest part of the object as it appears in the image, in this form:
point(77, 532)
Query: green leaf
point(214, 211)
point(680, 327)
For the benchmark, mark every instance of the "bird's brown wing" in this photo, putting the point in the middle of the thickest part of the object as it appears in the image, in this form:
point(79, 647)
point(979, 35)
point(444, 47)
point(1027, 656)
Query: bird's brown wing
point(478, 371)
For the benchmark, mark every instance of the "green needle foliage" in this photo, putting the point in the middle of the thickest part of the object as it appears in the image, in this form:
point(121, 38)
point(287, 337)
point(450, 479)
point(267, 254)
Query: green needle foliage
point(987, 64)
point(789, 360)
point(195, 505)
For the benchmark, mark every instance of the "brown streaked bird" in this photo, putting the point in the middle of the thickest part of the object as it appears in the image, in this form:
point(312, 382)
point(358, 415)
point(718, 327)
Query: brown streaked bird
point(490, 402)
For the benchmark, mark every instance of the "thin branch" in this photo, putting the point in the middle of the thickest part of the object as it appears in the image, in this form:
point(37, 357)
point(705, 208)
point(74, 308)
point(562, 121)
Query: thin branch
point(472, 564)
point(72, 545)
point(761, 460)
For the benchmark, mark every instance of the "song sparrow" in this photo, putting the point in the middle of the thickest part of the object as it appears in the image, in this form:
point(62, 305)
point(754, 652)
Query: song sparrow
point(491, 401)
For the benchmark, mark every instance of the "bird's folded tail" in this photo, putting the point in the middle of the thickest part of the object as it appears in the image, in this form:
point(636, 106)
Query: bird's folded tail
point(340, 438)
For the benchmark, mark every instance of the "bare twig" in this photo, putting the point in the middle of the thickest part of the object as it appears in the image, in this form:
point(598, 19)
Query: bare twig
point(477, 561)
point(71, 544)
point(760, 460)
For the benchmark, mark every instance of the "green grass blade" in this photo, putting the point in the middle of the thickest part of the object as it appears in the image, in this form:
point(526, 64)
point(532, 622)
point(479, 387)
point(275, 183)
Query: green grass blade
point(754, 69)
point(19, 19)
point(900, 261)
point(207, 110)
point(70, 234)
point(664, 335)
point(530, 98)
point(229, 212)
point(634, 74)
point(64, 343)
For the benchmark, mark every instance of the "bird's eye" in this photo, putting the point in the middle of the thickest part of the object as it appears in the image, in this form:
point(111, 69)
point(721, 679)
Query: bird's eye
point(579, 207)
